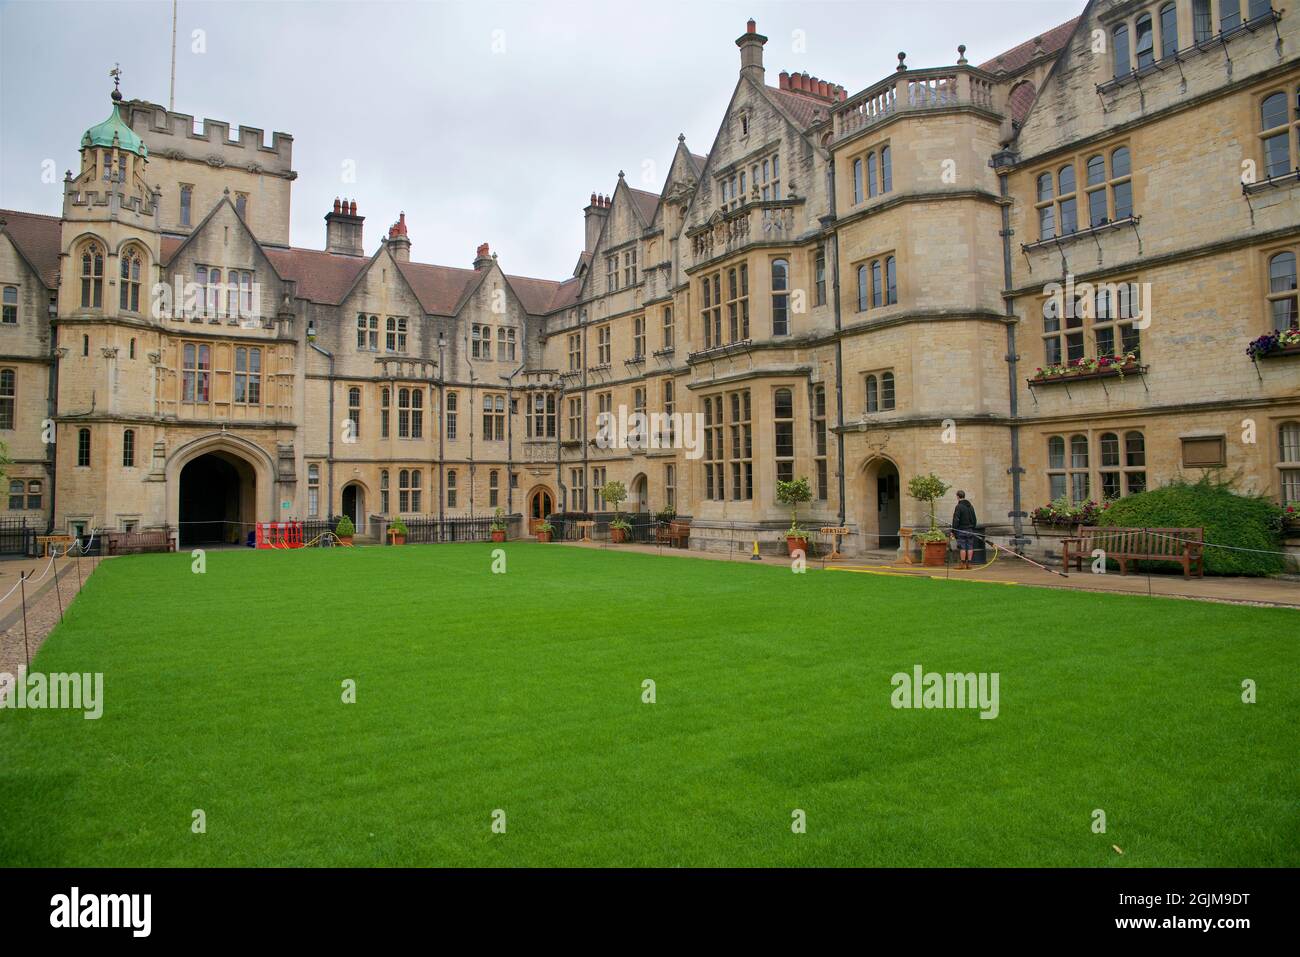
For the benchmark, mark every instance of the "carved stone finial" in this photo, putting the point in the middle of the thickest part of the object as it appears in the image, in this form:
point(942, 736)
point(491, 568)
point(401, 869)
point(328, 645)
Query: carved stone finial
point(901, 57)
point(961, 55)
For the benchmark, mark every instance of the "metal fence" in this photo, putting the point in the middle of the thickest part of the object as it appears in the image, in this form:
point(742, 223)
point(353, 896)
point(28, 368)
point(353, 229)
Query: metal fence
point(17, 537)
point(642, 531)
point(478, 528)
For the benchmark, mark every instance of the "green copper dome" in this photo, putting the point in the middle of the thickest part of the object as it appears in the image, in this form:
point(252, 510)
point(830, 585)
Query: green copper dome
point(104, 134)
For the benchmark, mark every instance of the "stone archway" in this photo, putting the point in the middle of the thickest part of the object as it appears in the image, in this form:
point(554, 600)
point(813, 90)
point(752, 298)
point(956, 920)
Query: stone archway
point(881, 503)
point(218, 487)
point(541, 504)
point(638, 499)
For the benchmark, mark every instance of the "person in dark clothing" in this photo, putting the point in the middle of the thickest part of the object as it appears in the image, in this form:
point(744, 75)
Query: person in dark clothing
point(963, 525)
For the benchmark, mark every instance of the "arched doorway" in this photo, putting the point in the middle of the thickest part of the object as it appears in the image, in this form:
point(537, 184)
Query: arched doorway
point(640, 497)
point(882, 504)
point(354, 505)
point(540, 505)
point(218, 495)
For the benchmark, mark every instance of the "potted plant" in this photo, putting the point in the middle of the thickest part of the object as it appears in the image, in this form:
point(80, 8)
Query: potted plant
point(499, 525)
point(344, 530)
point(794, 494)
point(544, 530)
point(397, 532)
point(1291, 516)
point(930, 488)
point(615, 493)
point(666, 515)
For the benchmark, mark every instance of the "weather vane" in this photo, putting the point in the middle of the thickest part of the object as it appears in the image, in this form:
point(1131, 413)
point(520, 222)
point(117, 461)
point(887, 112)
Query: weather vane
point(116, 74)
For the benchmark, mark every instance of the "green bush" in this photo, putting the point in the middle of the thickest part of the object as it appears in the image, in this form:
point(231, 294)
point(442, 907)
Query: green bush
point(1229, 518)
point(345, 528)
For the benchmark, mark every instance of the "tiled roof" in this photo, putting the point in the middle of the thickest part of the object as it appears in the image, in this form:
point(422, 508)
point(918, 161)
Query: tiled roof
point(700, 161)
point(1019, 56)
point(440, 289)
point(566, 294)
point(322, 277)
point(647, 203)
point(1021, 101)
point(800, 107)
point(38, 238)
point(535, 294)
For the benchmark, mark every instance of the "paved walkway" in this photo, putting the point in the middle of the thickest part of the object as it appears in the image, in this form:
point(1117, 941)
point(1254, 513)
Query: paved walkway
point(44, 603)
point(1013, 571)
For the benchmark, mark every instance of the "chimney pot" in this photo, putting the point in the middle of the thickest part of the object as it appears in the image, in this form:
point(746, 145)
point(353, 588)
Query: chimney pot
point(751, 26)
point(352, 208)
point(336, 204)
point(784, 80)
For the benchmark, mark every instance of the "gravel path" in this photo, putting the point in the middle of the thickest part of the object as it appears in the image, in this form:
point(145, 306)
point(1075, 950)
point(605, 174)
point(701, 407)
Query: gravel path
point(43, 603)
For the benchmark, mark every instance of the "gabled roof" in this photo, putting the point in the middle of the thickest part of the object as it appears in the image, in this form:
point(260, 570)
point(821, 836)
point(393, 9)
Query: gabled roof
point(646, 203)
point(1019, 56)
point(321, 276)
point(38, 239)
point(440, 289)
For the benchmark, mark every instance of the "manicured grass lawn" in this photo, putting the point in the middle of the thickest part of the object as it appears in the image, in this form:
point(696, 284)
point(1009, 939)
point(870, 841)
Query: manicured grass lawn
point(523, 692)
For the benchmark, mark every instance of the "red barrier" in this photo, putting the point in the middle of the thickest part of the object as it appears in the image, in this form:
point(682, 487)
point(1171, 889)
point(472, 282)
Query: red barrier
point(279, 534)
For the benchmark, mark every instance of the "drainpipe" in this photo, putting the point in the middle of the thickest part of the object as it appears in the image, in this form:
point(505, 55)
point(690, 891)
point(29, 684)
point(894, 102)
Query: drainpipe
point(1018, 539)
point(839, 343)
point(442, 428)
point(329, 467)
point(510, 437)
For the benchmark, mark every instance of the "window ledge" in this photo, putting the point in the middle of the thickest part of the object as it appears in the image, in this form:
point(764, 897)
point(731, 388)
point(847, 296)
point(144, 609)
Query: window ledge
point(1219, 39)
point(1287, 352)
point(1114, 372)
point(1273, 182)
point(1081, 234)
point(717, 352)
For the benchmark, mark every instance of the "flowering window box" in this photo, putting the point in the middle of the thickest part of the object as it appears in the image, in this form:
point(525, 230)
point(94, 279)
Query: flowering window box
point(1081, 370)
point(1275, 345)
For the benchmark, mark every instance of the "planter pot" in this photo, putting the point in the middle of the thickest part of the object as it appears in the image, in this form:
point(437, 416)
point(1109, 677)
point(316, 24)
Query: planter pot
point(618, 535)
point(793, 545)
point(543, 536)
point(345, 539)
point(396, 539)
point(935, 553)
point(498, 536)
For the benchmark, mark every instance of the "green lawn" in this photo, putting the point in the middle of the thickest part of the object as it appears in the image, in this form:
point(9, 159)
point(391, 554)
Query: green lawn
point(522, 691)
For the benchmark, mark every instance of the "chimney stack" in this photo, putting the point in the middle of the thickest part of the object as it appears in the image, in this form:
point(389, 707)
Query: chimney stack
point(751, 52)
point(595, 215)
point(399, 243)
point(483, 259)
point(343, 229)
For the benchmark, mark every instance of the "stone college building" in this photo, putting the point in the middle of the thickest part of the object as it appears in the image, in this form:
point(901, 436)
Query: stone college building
point(1069, 270)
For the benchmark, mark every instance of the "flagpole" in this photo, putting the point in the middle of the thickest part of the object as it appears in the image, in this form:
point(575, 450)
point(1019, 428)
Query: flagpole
point(171, 96)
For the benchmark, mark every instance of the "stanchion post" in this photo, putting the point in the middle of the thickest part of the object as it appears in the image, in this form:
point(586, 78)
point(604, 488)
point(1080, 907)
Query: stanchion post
point(22, 589)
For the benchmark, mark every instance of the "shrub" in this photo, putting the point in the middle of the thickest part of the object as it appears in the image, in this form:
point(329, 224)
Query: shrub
point(929, 489)
point(794, 494)
point(614, 493)
point(397, 527)
point(499, 520)
point(1229, 518)
point(345, 528)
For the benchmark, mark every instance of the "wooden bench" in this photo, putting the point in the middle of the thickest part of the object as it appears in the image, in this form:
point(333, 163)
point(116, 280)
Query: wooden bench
point(674, 534)
point(1182, 545)
point(153, 540)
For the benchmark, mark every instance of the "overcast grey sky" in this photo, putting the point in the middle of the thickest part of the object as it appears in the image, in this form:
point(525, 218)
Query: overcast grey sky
point(484, 121)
